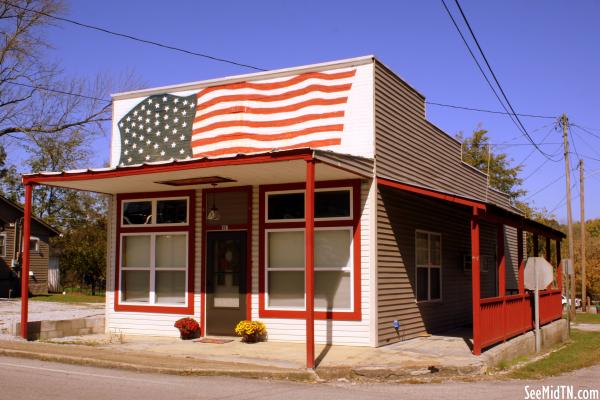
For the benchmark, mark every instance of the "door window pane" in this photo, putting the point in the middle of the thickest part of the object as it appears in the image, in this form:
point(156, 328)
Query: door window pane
point(422, 284)
point(332, 248)
point(332, 290)
point(285, 206)
point(332, 204)
point(136, 251)
point(135, 286)
point(435, 277)
point(170, 287)
point(286, 249)
point(171, 251)
point(171, 211)
point(137, 212)
point(286, 289)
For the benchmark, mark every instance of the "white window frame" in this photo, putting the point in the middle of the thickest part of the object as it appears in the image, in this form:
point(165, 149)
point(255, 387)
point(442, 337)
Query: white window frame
point(4, 244)
point(350, 189)
point(36, 248)
point(153, 203)
point(349, 268)
point(429, 267)
point(153, 269)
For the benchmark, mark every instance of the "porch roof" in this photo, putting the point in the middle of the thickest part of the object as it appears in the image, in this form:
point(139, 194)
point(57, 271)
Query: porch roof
point(243, 169)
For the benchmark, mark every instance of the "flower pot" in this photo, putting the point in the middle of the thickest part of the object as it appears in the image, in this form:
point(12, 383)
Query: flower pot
point(250, 338)
point(189, 335)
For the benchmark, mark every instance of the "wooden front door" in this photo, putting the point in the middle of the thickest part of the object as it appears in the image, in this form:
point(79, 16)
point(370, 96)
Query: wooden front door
point(225, 281)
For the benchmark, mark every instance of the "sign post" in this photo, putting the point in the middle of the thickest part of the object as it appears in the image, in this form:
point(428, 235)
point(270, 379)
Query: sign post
point(538, 274)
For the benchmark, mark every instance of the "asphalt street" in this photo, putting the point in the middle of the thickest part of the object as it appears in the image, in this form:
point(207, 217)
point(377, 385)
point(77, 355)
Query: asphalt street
point(25, 379)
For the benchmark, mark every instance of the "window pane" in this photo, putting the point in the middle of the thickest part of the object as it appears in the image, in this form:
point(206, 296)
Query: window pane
point(171, 251)
point(137, 212)
point(170, 287)
point(435, 283)
point(233, 207)
point(34, 245)
point(285, 206)
point(286, 289)
point(436, 249)
point(136, 252)
point(422, 284)
point(332, 248)
point(332, 289)
point(171, 211)
point(422, 249)
point(331, 204)
point(286, 249)
point(136, 286)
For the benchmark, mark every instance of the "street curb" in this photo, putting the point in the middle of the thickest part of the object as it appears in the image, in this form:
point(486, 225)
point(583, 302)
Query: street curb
point(291, 375)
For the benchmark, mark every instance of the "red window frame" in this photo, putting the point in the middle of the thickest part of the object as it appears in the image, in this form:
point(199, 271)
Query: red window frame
point(238, 227)
point(189, 228)
point(355, 314)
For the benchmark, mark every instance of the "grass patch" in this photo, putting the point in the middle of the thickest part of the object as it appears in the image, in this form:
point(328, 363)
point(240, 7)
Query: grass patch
point(585, 318)
point(70, 298)
point(583, 351)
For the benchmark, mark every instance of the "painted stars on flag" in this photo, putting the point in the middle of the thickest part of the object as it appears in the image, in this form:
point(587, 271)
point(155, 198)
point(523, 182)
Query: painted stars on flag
point(158, 128)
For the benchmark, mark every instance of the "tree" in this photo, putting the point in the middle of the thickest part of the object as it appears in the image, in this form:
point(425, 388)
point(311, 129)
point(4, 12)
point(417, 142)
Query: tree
point(478, 152)
point(26, 74)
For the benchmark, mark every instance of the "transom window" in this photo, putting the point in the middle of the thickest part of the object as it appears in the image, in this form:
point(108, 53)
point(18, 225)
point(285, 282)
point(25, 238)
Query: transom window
point(168, 211)
point(329, 204)
point(428, 250)
point(154, 268)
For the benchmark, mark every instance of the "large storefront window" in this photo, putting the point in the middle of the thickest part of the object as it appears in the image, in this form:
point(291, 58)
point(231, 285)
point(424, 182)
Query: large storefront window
point(284, 242)
point(154, 237)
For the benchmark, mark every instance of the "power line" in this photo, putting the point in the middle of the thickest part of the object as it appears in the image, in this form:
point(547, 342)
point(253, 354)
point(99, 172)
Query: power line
point(137, 39)
point(58, 91)
point(586, 130)
point(573, 140)
point(512, 112)
point(487, 111)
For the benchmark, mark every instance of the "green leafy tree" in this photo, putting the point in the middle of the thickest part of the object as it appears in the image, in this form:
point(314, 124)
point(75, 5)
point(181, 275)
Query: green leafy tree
point(478, 152)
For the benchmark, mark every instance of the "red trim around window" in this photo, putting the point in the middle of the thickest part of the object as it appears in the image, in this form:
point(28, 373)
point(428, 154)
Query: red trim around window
point(237, 227)
point(355, 314)
point(189, 228)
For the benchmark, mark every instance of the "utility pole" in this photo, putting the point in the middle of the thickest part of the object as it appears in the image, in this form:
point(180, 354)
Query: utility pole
point(582, 237)
point(565, 126)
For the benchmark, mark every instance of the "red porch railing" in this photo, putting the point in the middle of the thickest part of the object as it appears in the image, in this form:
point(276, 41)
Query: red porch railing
point(505, 317)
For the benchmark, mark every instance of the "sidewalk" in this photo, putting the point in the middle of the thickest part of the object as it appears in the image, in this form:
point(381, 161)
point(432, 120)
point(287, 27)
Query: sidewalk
point(419, 359)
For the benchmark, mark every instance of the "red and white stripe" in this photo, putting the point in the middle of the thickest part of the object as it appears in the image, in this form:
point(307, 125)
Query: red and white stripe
point(305, 110)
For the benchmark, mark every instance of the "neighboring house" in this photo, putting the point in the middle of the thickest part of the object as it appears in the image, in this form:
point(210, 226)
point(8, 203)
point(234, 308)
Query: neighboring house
point(11, 219)
point(209, 216)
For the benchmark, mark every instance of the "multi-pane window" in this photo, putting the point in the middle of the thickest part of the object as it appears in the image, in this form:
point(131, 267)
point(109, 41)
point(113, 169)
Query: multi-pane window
point(428, 249)
point(2, 244)
point(154, 263)
point(333, 247)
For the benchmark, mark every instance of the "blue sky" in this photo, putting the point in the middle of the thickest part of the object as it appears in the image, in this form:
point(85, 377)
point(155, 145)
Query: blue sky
point(545, 54)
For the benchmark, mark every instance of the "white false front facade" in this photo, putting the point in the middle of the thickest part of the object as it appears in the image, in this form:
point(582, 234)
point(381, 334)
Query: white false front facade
point(343, 324)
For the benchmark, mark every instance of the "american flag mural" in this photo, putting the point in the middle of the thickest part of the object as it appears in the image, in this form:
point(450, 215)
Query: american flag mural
point(305, 110)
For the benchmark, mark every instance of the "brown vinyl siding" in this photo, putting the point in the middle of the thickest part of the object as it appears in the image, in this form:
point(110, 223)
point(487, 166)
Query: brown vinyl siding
point(399, 215)
point(410, 149)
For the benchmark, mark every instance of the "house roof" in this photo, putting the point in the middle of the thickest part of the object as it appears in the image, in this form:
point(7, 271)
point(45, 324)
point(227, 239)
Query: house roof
point(53, 231)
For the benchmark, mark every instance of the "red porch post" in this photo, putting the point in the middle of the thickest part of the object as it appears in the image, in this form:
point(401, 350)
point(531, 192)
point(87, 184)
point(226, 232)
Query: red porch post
point(475, 281)
point(559, 277)
point(309, 215)
point(521, 261)
point(536, 245)
point(25, 260)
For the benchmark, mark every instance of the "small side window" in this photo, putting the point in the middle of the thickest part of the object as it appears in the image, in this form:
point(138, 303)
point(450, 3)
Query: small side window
point(34, 244)
point(3, 245)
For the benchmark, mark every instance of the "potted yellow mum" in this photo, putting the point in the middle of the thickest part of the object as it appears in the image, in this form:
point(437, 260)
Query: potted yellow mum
point(251, 331)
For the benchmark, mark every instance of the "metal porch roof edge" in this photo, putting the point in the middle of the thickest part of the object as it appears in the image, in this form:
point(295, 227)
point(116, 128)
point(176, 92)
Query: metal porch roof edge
point(358, 165)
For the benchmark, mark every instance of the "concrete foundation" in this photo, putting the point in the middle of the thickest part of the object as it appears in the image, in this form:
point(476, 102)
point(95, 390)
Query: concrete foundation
point(553, 333)
point(42, 330)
